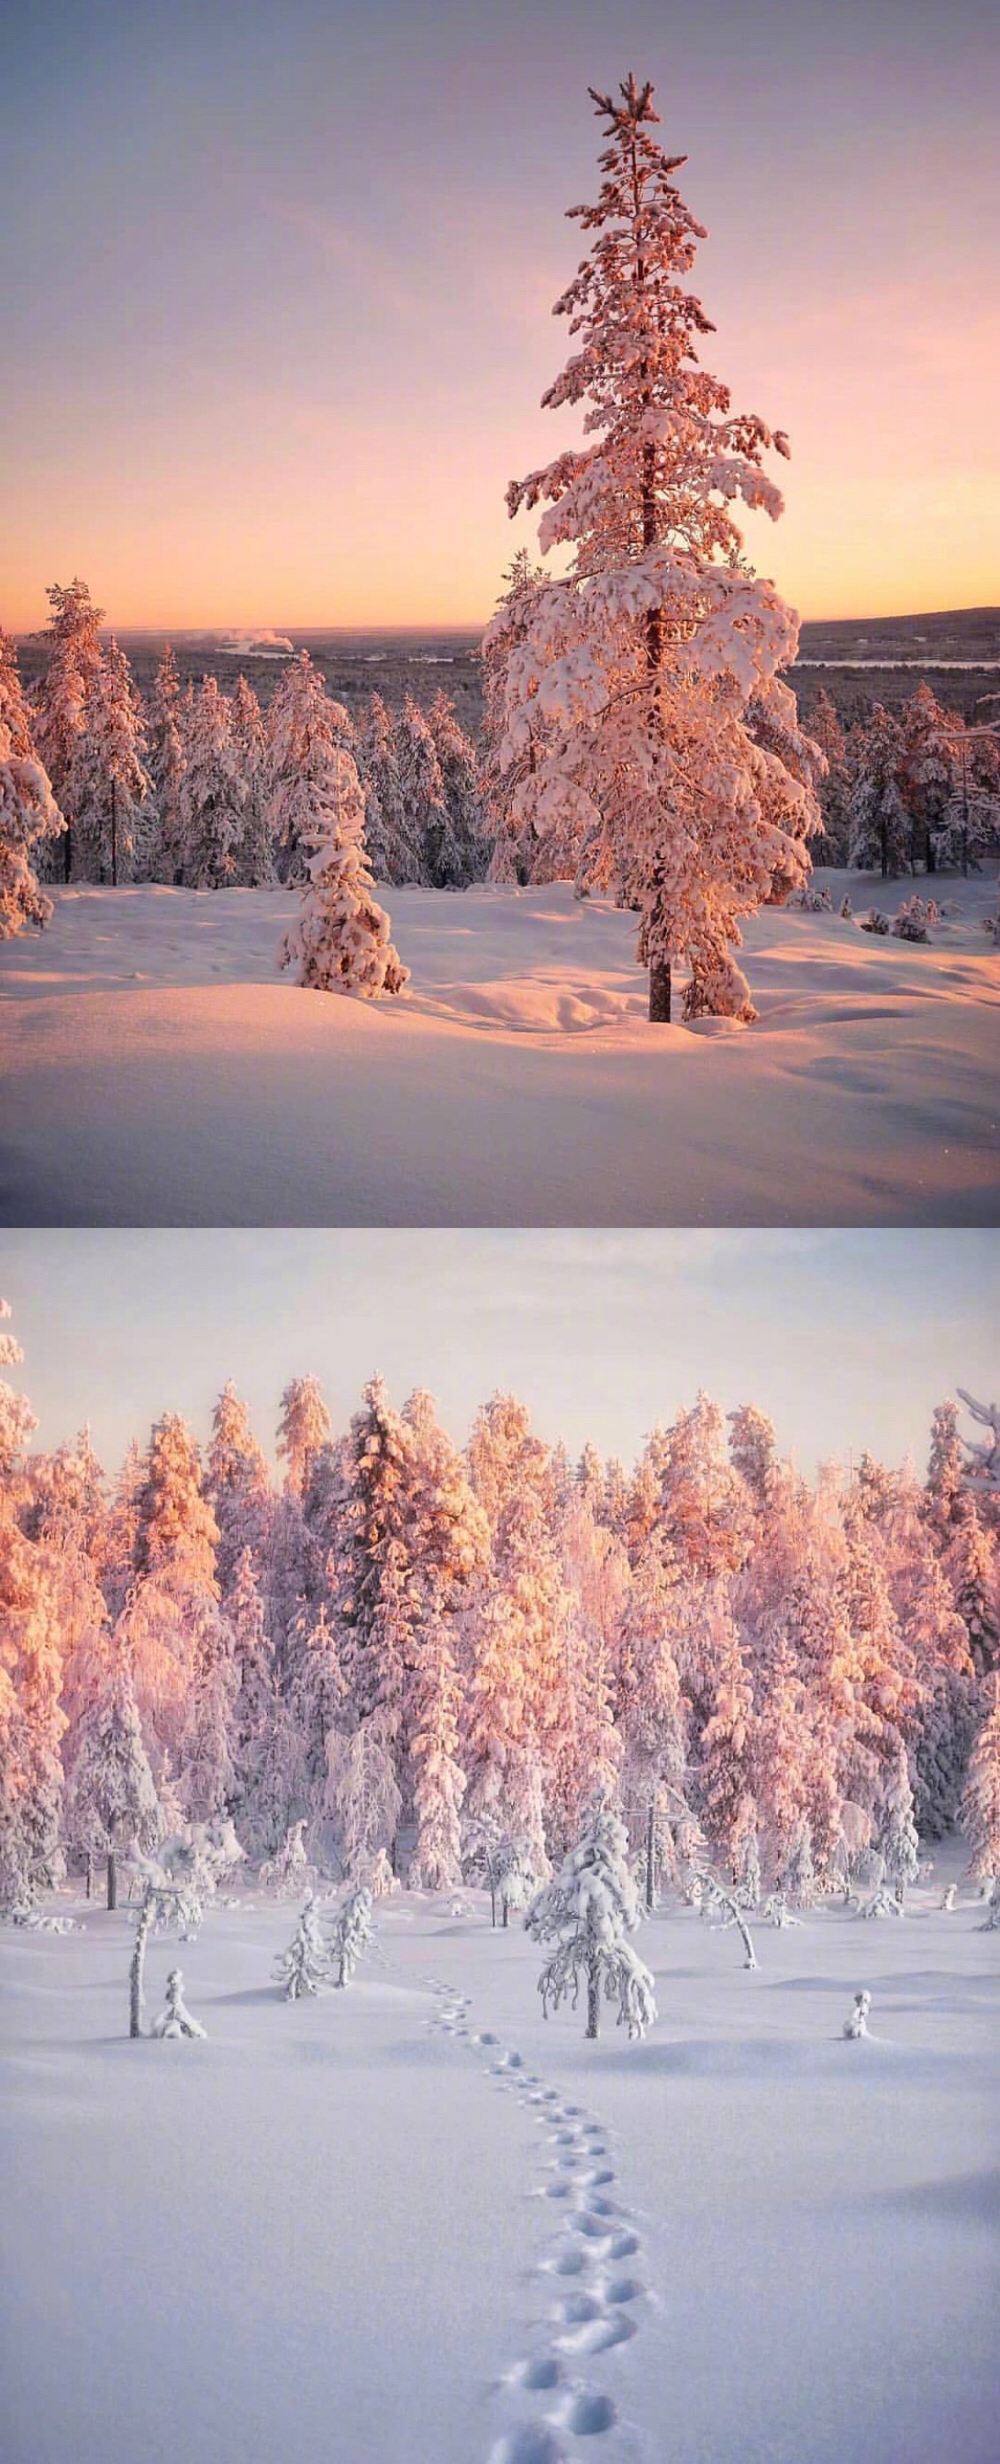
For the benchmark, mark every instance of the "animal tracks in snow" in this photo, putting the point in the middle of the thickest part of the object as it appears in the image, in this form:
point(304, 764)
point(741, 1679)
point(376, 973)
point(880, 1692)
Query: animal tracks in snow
point(595, 2297)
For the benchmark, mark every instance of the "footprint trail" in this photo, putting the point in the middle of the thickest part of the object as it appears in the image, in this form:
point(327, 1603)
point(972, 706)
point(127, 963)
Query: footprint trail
point(591, 2268)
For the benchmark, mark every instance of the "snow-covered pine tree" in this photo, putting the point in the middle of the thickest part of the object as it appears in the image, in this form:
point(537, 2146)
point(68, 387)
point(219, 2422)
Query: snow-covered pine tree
point(166, 766)
point(897, 1838)
point(212, 793)
point(352, 1934)
point(392, 852)
point(254, 1707)
point(32, 1720)
point(362, 1799)
point(306, 733)
point(648, 653)
point(834, 786)
point(981, 1801)
point(304, 1428)
point(29, 817)
point(438, 1781)
point(74, 657)
point(237, 1488)
point(107, 783)
point(588, 1911)
point(460, 857)
point(421, 788)
point(516, 1881)
point(878, 820)
point(206, 1747)
point(112, 1797)
point(255, 853)
point(340, 941)
point(304, 1967)
point(518, 854)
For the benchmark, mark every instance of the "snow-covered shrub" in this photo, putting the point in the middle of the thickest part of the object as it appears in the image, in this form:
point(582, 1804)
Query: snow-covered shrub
point(290, 1869)
point(176, 2019)
point(39, 1922)
point(857, 2024)
point(776, 1910)
point(875, 922)
point(883, 1902)
point(950, 1896)
point(991, 1921)
point(516, 1879)
point(352, 1934)
point(914, 919)
point(991, 925)
point(304, 1967)
point(810, 900)
point(845, 908)
point(588, 1911)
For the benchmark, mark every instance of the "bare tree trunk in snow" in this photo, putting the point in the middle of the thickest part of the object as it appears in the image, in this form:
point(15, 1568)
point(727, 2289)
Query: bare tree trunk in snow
point(112, 1879)
point(135, 1972)
point(659, 992)
point(593, 1998)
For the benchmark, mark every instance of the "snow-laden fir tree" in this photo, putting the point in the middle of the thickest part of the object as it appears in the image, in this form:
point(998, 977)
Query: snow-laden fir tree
point(112, 1795)
point(392, 848)
point(166, 768)
point(307, 731)
point(340, 941)
point(588, 1912)
point(459, 857)
point(107, 783)
point(645, 658)
point(422, 790)
point(981, 1800)
point(438, 1780)
point(29, 817)
point(518, 854)
point(255, 852)
point(304, 1967)
point(73, 661)
point(352, 1935)
point(207, 1740)
point(212, 797)
point(878, 820)
point(237, 1488)
point(516, 1879)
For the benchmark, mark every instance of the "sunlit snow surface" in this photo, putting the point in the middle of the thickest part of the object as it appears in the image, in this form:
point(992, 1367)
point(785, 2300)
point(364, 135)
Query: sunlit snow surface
point(156, 1068)
point(413, 2223)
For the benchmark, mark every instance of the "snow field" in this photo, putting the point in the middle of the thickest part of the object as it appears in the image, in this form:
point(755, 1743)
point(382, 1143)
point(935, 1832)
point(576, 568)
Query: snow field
point(157, 1069)
point(414, 2221)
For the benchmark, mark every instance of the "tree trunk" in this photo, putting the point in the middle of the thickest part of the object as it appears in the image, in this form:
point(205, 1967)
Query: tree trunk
point(135, 1972)
point(114, 837)
point(593, 1999)
point(67, 850)
point(112, 1879)
point(90, 1873)
point(659, 992)
point(506, 1912)
point(650, 1846)
point(493, 1899)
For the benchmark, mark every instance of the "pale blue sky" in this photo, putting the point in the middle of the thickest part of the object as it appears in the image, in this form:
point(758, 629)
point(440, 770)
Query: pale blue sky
point(846, 1338)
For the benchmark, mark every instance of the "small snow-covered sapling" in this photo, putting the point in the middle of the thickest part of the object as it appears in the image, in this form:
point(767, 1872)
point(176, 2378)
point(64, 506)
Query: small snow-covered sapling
point(304, 1967)
point(949, 1899)
point(857, 2024)
point(176, 2020)
point(351, 1935)
point(991, 1921)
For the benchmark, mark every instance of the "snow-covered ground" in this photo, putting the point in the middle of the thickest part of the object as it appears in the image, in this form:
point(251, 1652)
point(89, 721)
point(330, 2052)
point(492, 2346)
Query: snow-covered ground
point(157, 1069)
point(361, 2228)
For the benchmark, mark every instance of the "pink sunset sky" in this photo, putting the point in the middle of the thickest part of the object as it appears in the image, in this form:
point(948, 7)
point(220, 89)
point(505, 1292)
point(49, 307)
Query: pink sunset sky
point(279, 287)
